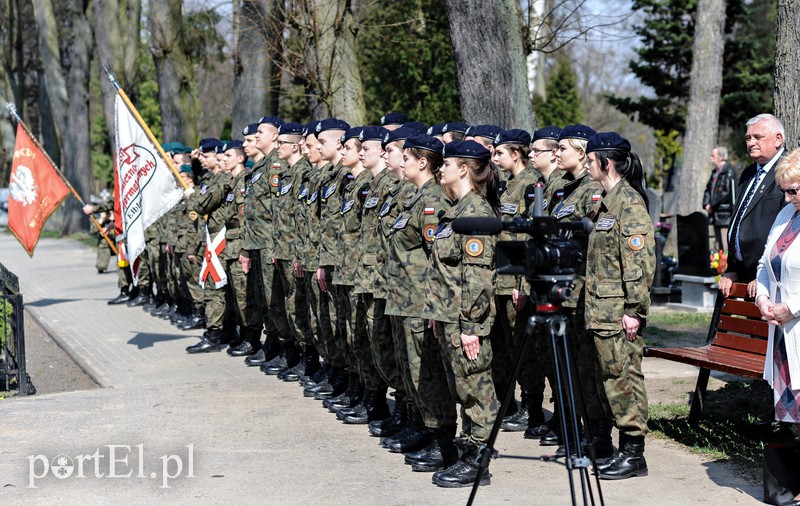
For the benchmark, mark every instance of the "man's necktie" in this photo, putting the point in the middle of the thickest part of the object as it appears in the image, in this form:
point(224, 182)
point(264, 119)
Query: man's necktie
point(746, 202)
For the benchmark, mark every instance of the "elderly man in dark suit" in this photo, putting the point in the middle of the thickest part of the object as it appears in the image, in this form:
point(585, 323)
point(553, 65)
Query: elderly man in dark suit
point(758, 202)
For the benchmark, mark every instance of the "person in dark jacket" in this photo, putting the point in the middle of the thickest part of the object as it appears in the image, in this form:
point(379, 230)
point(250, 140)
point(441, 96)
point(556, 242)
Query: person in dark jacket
point(720, 195)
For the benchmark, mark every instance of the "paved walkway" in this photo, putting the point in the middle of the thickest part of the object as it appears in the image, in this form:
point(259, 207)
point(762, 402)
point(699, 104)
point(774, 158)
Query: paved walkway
point(239, 436)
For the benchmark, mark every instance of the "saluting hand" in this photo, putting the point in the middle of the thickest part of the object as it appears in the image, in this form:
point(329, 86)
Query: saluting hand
point(471, 346)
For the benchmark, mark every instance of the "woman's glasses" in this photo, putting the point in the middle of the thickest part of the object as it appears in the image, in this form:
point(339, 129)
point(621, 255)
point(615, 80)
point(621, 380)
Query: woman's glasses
point(790, 191)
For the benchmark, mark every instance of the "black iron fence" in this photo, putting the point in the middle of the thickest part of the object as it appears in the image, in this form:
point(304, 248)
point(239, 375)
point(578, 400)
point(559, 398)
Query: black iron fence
point(13, 375)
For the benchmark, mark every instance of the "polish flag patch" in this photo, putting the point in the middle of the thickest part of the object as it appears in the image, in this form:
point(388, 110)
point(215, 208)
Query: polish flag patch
point(429, 211)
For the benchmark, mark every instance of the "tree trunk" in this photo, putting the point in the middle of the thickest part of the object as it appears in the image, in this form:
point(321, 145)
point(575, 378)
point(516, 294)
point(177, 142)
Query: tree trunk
point(702, 113)
point(174, 73)
point(66, 45)
point(787, 77)
point(257, 29)
point(490, 63)
point(119, 50)
point(334, 74)
point(535, 60)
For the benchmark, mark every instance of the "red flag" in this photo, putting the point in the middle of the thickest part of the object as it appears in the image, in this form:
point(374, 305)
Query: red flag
point(35, 191)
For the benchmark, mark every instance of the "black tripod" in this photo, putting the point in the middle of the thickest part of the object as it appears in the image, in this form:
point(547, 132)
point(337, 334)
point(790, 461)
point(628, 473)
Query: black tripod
point(569, 402)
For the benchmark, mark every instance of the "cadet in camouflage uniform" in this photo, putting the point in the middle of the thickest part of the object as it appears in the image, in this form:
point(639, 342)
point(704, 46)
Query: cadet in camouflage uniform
point(619, 272)
point(189, 250)
point(211, 203)
point(124, 278)
point(370, 274)
point(414, 435)
point(258, 245)
point(513, 308)
point(411, 241)
point(544, 160)
point(286, 206)
point(334, 177)
point(460, 299)
point(483, 135)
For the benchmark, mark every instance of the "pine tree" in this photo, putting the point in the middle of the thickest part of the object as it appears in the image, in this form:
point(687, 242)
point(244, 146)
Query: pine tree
point(563, 105)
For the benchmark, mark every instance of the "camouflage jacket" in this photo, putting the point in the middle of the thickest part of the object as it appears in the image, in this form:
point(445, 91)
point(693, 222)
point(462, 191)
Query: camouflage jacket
point(515, 202)
point(192, 240)
point(353, 198)
point(370, 240)
point(258, 223)
point(283, 208)
point(300, 189)
point(399, 191)
point(411, 240)
point(332, 185)
point(620, 261)
point(554, 189)
point(461, 277)
point(234, 211)
point(211, 202)
point(310, 253)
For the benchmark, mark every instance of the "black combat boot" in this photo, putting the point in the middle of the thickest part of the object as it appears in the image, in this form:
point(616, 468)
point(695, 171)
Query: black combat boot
point(601, 444)
point(537, 427)
point(161, 309)
point(155, 301)
point(553, 435)
point(417, 438)
point(348, 398)
point(308, 364)
point(123, 297)
point(627, 462)
point(141, 299)
point(337, 383)
point(268, 351)
point(464, 472)
point(372, 407)
point(285, 360)
point(396, 422)
point(516, 422)
point(196, 321)
point(210, 342)
point(249, 345)
point(443, 452)
point(321, 375)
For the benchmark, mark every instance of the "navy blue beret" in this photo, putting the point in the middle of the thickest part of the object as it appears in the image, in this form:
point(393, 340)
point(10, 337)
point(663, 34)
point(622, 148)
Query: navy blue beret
point(372, 133)
point(271, 120)
point(466, 149)
point(331, 124)
point(220, 147)
point(606, 141)
point(513, 136)
point(437, 129)
point(455, 126)
point(209, 145)
point(233, 145)
point(576, 132)
point(487, 131)
point(250, 129)
point(291, 129)
point(398, 134)
point(427, 142)
point(393, 118)
point(310, 128)
point(351, 133)
point(416, 125)
point(548, 132)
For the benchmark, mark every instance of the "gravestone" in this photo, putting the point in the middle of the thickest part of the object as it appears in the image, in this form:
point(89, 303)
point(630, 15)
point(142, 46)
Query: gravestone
point(693, 245)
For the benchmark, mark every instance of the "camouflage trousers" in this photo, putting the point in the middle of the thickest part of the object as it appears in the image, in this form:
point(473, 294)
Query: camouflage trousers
point(358, 341)
point(158, 264)
point(309, 283)
point(273, 299)
point(379, 333)
point(103, 254)
point(144, 279)
point(621, 382)
point(237, 290)
point(124, 277)
point(326, 317)
point(470, 381)
point(190, 274)
point(216, 304)
point(508, 337)
point(426, 379)
point(298, 314)
point(342, 327)
point(172, 265)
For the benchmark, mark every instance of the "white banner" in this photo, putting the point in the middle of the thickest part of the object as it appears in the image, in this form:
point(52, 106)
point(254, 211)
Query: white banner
point(147, 187)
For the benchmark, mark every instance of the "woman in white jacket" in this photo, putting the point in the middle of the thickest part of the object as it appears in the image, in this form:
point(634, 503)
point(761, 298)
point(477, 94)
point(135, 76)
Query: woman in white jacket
point(778, 295)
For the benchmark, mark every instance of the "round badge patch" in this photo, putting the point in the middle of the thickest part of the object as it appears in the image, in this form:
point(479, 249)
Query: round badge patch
point(241, 209)
point(275, 181)
point(474, 247)
point(636, 242)
point(193, 215)
point(429, 232)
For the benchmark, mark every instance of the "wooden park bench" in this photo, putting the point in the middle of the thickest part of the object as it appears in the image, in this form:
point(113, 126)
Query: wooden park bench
point(736, 344)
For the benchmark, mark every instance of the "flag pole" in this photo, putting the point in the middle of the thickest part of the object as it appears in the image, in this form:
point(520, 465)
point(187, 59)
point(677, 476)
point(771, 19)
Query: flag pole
point(13, 110)
point(132, 109)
